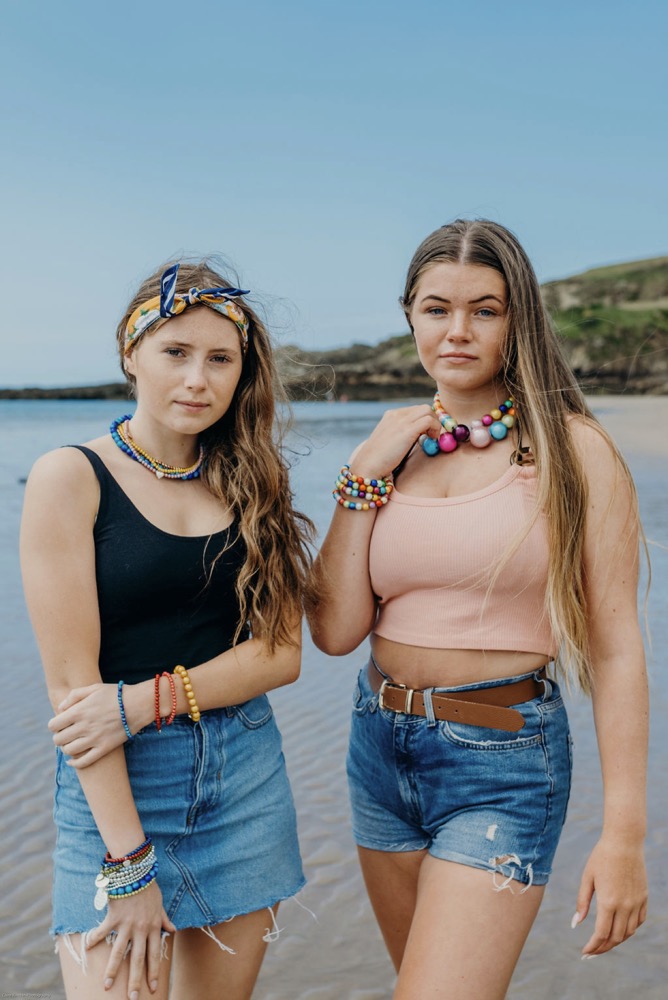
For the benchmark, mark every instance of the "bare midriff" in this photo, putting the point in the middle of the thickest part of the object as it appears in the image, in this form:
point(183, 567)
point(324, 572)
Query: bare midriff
point(422, 667)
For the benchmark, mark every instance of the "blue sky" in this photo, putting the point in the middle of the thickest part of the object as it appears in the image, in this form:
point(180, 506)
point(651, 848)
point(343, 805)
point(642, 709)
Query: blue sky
point(314, 145)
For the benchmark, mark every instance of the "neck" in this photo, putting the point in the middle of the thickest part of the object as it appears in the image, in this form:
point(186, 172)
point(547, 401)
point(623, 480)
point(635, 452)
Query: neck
point(164, 444)
point(467, 406)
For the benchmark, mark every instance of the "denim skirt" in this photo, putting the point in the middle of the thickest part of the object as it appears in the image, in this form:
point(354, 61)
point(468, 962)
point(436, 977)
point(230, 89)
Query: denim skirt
point(215, 797)
point(481, 797)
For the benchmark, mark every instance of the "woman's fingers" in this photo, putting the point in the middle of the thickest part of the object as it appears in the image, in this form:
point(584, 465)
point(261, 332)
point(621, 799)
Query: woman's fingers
point(138, 966)
point(75, 695)
point(153, 960)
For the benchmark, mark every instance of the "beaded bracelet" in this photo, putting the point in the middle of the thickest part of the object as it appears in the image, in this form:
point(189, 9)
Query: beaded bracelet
point(126, 876)
point(194, 712)
point(363, 494)
point(168, 719)
point(122, 710)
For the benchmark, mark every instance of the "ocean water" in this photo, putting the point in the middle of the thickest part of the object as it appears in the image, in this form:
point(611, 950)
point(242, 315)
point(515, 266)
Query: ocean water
point(339, 955)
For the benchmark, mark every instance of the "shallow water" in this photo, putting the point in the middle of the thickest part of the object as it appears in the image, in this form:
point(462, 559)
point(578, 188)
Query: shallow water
point(339, 956)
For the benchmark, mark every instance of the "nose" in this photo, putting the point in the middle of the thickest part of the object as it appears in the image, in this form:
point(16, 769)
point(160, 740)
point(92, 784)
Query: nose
point(458, 327)
point(194, 377)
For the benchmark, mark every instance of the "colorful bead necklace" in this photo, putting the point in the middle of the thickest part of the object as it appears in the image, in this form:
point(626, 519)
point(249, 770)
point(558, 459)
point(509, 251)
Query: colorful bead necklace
point(493, 426)
point(120, 432)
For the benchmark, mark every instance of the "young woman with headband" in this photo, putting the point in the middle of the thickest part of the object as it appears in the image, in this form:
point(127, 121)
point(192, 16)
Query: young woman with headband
point(488, 544)
point(165, 571)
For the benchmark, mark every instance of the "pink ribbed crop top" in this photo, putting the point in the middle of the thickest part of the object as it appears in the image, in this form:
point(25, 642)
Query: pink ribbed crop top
point(431, 561)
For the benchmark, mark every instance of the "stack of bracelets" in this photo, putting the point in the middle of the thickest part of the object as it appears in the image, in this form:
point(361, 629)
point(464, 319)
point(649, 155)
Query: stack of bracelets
point(193, 708)
point(357, 493)
point(126, 876)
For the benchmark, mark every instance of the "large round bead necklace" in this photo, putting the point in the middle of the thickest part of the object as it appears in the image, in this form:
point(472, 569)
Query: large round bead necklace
point(492, 426)
point(120, 432)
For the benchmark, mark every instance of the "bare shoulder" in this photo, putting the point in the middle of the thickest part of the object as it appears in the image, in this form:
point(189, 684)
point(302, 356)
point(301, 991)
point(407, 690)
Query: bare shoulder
point(63, 483)
point(594, 447)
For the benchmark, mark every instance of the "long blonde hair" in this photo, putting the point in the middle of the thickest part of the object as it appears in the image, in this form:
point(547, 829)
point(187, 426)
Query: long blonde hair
point(246, 471)
point(537, 375)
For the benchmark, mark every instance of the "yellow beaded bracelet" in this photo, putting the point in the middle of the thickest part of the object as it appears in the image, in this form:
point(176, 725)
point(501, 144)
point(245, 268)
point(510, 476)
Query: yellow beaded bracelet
point(194, 712)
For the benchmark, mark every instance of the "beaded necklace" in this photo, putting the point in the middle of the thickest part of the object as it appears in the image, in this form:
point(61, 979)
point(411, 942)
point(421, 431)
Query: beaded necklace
point(120, 432)
point(493, 426)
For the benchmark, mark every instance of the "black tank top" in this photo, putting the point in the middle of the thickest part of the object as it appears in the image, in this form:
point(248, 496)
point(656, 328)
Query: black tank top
point(156, 607)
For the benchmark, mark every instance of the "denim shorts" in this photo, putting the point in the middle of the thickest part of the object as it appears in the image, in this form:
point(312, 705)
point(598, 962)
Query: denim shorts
point(476, 796)
point(215, 798)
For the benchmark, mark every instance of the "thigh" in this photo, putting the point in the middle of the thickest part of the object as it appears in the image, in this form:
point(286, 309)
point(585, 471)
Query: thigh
point(391, 880)
point(84, 977)
point(204, 970)
point(465, 938)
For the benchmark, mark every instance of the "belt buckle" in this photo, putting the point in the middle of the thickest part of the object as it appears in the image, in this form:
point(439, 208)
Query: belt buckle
point(409, 695)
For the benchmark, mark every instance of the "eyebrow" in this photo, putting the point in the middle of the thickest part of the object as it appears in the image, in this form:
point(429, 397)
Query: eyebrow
point(214, 350)
point(472, 302)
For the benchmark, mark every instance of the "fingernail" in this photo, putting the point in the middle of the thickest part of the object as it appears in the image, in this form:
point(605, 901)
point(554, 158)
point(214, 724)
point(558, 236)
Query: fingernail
point(108, 983)
point(575, 920)
point(589, 956)
point(154, 985)
point(134, 995)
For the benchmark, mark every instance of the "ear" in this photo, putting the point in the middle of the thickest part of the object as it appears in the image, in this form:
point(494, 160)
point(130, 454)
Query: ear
point(129, 363)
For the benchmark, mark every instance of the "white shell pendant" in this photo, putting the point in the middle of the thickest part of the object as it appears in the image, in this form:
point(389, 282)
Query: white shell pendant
point(100, 900)
point(101, 881)
point(160, 475)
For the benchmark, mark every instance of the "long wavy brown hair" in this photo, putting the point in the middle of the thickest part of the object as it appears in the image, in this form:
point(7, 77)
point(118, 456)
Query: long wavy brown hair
point(535, 372)
point(246, 470)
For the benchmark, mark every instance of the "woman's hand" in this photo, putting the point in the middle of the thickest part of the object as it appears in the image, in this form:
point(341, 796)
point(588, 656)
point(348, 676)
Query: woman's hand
point(88, 724)
point(392, 438)
point(138, 922)
point(616, 873)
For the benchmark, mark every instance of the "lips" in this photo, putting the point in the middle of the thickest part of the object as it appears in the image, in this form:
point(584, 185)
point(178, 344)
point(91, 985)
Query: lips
point(458, 355)
point(191, 405)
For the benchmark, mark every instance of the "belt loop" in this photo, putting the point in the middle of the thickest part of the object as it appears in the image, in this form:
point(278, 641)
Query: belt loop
point(428, 706)
point(547, 686)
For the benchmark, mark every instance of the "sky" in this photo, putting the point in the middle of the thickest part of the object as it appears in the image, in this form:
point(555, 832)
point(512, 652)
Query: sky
point(313, 145)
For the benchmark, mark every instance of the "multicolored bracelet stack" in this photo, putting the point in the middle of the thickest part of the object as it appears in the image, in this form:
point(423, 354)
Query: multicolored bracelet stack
point(357, 493)
point(126, 876)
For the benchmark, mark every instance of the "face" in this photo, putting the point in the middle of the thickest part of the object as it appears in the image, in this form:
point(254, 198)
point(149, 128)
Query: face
point(187, 371)
point(459, 319)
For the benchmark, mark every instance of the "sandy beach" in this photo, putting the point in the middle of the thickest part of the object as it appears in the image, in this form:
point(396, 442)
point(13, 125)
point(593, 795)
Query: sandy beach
point(338, 954)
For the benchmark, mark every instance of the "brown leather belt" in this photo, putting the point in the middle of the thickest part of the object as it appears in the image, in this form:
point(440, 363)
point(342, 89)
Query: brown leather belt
point(487, 707)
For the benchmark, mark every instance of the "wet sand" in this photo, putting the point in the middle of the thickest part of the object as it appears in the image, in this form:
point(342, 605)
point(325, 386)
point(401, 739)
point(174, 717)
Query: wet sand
point(340, 956)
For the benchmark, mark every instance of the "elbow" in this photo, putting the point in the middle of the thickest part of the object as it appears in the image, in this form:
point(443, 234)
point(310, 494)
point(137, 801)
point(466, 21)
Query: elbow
point(336, 643)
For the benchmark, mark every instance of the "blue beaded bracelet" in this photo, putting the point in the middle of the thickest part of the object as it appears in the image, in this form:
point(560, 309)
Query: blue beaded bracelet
point(122, 710)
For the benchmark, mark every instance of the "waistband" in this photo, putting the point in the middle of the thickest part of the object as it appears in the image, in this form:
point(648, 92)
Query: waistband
point(487, 704)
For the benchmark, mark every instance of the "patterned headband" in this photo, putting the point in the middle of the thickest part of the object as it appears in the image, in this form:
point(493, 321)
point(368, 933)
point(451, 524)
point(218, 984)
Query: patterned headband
point(170, 303)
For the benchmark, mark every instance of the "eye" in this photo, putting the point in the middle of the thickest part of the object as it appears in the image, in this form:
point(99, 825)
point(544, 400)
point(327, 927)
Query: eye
point(485, 312)
point(436, 311)
point(174, 352)
point(221, 359)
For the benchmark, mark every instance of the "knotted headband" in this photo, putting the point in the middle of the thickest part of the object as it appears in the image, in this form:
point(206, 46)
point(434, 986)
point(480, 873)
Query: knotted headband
point(170, 303)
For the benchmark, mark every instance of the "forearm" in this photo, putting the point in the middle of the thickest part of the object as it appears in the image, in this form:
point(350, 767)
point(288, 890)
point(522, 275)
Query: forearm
point(621, 712)
point(237, 675)
point(346, 610)
point(107, 789)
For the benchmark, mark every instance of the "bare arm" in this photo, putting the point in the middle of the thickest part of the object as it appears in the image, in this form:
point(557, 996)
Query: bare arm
point(347, 610)
point(58, 564)
point(615, 870)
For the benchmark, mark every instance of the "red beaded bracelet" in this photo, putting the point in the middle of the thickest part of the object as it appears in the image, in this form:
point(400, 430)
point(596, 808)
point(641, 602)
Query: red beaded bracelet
point(168, 719)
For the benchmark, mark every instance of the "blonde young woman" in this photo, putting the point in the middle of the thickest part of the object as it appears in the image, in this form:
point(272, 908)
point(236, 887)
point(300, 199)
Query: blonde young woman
point(165, 569)
point(502, 554)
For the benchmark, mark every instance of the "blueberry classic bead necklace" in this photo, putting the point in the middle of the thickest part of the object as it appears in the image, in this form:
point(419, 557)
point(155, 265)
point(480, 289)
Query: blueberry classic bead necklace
point(492, 426)
point(120, 432)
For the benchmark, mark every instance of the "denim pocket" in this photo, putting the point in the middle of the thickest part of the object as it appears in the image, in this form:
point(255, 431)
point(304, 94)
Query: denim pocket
point(484, 738)
point(364, 698)
point(254, 713)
